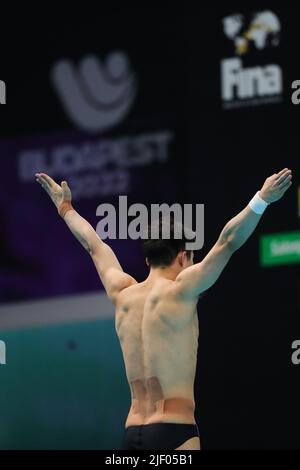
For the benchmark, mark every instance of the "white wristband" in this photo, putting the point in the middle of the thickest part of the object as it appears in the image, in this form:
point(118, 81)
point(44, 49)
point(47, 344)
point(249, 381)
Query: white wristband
point(257, 204)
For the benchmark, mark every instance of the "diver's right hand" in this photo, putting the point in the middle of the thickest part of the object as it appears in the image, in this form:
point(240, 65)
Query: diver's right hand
point(58, 194)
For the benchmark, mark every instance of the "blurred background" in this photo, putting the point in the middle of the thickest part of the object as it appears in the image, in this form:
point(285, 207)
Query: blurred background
point(162, 106)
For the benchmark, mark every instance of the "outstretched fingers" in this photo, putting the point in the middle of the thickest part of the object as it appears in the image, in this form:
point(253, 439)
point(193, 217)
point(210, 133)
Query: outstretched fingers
point(48, 180)
point(278, 175)
point(285, 186)
point(282, 175)
point(42, 182)
point(285, 179)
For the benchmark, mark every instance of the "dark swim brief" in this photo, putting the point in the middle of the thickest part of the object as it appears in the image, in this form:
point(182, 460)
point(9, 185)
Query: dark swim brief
point(158, 436)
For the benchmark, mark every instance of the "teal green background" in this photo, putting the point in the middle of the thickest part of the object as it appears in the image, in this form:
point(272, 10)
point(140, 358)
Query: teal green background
point(63, 387)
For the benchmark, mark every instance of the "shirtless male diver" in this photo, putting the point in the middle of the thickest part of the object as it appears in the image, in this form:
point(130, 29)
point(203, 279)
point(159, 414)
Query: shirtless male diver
point(156, 320)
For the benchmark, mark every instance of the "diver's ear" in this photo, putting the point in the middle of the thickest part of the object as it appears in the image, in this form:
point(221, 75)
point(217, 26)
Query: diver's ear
point(180, 258)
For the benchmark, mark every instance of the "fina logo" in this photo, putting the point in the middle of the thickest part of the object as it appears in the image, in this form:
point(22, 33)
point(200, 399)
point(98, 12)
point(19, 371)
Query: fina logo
point(244, 86)
point(98, 95)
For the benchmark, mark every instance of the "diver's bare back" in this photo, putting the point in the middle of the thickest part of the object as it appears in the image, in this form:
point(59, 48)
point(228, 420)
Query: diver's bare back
point(158, 334)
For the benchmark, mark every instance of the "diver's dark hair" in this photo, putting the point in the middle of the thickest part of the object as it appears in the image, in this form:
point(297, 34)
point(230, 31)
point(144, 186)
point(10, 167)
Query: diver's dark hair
point(162, 250)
